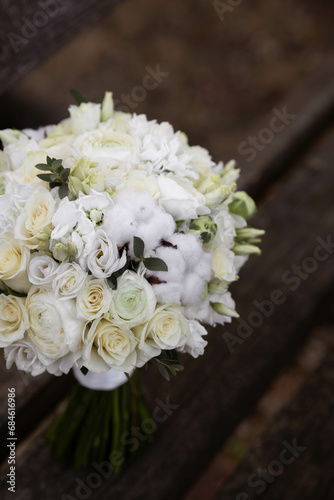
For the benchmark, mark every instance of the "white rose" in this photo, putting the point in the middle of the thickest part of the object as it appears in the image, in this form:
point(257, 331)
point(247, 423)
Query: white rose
point(139, 180)
point(69, 280)
point(54, 329)
point(13, 319)
point(42, 269)
point(196, 344)
point(84, 117)
point(167, 329)
point(180, 199)
point(26, 356)
point(35, 216)
point(134, 301)
point(109, 345)
point(102, 255)
point(8, 213)
point(94, 299)
point(105, 147)
point(14, 259)
point(28, 172)
point(57, 146)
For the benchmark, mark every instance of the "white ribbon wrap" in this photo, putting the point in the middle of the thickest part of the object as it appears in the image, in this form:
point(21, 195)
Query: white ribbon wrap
point(101, 381)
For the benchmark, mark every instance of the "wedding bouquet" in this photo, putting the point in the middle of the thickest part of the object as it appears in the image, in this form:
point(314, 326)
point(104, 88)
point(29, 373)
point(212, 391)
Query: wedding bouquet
point(118, 241)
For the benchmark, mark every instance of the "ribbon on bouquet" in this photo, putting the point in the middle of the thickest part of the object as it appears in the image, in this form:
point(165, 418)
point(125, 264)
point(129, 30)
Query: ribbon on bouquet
point(106, 381)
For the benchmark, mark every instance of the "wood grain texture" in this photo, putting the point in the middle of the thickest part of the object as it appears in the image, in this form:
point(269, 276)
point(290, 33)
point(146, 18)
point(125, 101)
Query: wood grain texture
point(31, 30)
point(307, 422)
point(216, 391)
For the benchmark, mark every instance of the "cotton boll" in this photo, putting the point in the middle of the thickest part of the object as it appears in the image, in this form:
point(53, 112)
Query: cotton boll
point(189, 246)
point(175, 263)
point(203, 267)
point(168, 293)
point(192, 289)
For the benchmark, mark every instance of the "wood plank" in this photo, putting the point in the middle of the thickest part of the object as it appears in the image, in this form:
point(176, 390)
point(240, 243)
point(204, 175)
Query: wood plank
point(307, 422)
point(216, 391)
point(32, 30)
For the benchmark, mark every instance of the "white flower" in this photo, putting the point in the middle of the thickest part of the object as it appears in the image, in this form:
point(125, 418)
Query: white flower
point(26, 356)
point(180, 199)
point(35, 216)
point(28, 172)
point(13, 319)
point(54, 329)
point(69, 280)
point(212, 317)
point(85, 117)
point(94, 299)
point(134, 301)
point(105, 146)
point(14, 259)
point(17, 151)
point(223, 263)
point(109, 345)
point(8, 213)
point(167, 329)
point(196, 344)
point(102, 255)
point(38, 134)
point(42, 269)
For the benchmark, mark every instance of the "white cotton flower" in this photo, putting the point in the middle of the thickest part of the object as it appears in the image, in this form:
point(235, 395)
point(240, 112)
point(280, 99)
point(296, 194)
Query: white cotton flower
point(137, 214)
point(109, 345)
point(195, 345)
point(13, 319)
point(102, 255)
point(42, 270)
point(134, 301)
point(69, 280)
point(180, 199)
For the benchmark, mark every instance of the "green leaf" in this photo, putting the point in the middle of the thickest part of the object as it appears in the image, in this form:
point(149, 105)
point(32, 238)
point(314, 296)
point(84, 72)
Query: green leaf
point(54, 184)
point(164, 372)
point(78, 97)
point(155, 264)
point(43, 166)
point(224, 310)
point(49, 160)
point(10, 291)
point(57, 163)
point(65, 173)
point(138, 247)
point(63, 190)
point(46, 177)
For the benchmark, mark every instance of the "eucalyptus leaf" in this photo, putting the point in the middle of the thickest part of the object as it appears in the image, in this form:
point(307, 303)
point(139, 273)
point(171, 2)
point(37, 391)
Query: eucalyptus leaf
point(43, 166)
point(164, 372)
point(63, 190)
point(138, 247)
point(78, 97)
point(155, 264)
point(65, 173)
point(46, 177)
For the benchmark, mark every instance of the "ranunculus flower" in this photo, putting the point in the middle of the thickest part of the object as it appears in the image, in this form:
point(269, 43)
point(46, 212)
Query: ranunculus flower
point(94, 299)
point(69, 280)
point(109, 345)
point(13, 319)
point(14, 259)
point(53, 327)
point(167, 329)
point(134, 301)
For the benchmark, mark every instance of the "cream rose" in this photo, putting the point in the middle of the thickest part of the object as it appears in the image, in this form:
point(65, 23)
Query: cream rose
point(35, 216)
point(109, 345)
point(14, 259)
point(134, 301)
point(13, 319)
point(167, 329)
point(94, 299)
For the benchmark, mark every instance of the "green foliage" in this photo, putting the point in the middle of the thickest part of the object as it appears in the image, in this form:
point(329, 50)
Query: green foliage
point(151, 263)
point(57, 176)
point(78, 97)
point(168, 362)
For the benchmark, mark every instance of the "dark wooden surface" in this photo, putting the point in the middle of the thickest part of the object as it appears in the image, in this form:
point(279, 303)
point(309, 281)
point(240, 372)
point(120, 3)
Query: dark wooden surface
point(295, 213)
point(30, 32)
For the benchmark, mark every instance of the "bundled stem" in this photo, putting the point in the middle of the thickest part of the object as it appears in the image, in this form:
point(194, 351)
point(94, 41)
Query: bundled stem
point(96, 425)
